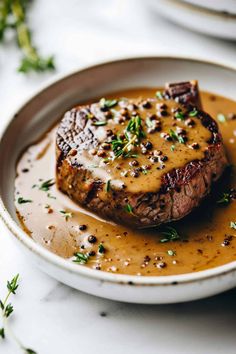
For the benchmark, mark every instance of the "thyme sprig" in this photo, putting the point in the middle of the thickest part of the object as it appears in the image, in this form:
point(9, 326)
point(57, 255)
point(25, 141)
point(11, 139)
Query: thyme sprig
point(45, 186)
point(227, 197)
point(67, 215)
point(21, 200)
point(132, 137)
point(13, 15)
point(176, 137)
point(81, 258)
point(106, 104)
point(170, 234)
point(7, 309)
point(233, 225)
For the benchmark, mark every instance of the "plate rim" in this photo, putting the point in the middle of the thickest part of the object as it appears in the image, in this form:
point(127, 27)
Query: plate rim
point(79, 270)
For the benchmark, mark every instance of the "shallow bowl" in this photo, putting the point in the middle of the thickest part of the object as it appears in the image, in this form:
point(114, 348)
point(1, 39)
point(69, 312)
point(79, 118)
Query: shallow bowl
point(40, 112)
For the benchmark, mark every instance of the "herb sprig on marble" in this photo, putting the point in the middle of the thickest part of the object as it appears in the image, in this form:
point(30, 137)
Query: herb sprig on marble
point(13, 17)
point(7, 309)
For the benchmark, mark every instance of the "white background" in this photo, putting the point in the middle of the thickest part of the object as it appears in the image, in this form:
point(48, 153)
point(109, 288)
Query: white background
point(50, 317)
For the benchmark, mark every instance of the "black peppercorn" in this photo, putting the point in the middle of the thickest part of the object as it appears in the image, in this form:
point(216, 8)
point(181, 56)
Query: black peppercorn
point(148, 145)
point(92, 239)
point(92, 253)
point(82, 227)
point(147, 104)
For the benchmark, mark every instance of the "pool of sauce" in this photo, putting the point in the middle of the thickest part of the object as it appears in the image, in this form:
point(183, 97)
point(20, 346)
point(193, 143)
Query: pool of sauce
point(60, 225)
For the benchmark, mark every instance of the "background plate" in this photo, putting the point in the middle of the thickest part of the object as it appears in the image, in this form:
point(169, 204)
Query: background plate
point(200, 19)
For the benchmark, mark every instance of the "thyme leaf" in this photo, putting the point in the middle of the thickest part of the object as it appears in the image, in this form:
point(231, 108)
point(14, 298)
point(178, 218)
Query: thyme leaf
point(107, 103)
point(8, 309)
point(108, 186)
point(193, 113)
point(51, 196)
point(2, 333)
point(233, 225)
point(29, 351)
point(101, 248)
point(66, 214)
point(225, 199)
point(81, 258)
point(159, 95)
point(171, 253)
point(221, 118)
point(21, 200)
point(45, 186)
point(179, 115)
point(100, 123)
point(13, 284)
point(170, 234)
point(177, 137)
point(128, 208)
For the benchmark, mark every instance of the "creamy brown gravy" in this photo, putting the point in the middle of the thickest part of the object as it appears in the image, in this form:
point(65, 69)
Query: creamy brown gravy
point(150, 182)
point(126, 250)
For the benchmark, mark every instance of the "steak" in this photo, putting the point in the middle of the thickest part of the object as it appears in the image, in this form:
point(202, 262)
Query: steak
point(142, 162)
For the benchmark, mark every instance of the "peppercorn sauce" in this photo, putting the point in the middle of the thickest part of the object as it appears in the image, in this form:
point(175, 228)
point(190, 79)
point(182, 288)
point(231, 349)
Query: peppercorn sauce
point(206, 238)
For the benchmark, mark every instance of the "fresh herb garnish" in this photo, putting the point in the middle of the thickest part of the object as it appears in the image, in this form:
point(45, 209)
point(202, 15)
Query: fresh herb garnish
point(29, 351)
point(51, 196)
point(159, 95)
point(108, 186)
point(233, 225)
point(89, 115)
point(128, 208)
point(225, 199)
point(13, 16)
point(7, 310)
point(135, 128)
point(106, 160)
point(193, 113)
point(132, 137)
point(107, 103)
point(179, 115)
point(101, 248)
point(45, 186)
point(150, 123)
point(21, 200)
point(2, 333)
point(171, 253)
point(81, 258)
point(100, 123)
point(170, 234)
point(172, 148)
point(66, 214)
point(221, 118)
point(177, 137)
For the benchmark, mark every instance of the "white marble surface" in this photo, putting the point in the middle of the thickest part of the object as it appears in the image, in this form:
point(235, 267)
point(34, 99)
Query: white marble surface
point(50, 317)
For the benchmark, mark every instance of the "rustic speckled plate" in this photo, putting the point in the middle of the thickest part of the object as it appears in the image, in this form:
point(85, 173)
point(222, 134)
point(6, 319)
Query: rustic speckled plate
point(38, 114)
point(204, 19)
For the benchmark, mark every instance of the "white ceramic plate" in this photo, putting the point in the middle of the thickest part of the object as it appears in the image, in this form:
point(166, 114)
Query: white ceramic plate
point(221, 6)
point(38, 114)
point(196, 18)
